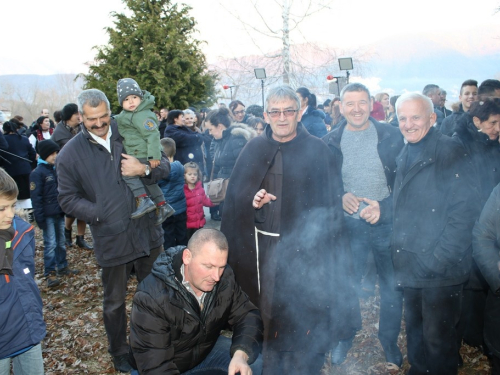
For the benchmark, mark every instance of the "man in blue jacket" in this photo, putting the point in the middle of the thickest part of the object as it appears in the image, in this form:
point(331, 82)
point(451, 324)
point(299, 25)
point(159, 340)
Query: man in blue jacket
point(91, 188)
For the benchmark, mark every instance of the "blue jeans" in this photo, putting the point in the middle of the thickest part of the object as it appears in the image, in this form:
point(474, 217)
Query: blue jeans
point(217, 362)
point(54, 248)
point(27, 363)
point(365, 237)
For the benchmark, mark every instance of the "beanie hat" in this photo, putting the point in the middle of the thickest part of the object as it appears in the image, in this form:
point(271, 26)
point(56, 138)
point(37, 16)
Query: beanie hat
point(126, 87)
point(68, 111)
point(46, 148)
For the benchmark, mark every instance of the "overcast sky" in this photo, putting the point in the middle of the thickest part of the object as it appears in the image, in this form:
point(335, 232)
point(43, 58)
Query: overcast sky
point(57, 36)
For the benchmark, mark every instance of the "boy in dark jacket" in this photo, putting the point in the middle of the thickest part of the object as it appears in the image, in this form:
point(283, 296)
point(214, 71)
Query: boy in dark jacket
point(22, 328)
point(174, 228)
point(138, 126)
point(48, 214)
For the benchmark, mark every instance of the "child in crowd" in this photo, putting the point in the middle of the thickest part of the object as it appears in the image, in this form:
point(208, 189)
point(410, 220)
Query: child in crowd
point(195, 198)
point(174, 228)
point(22, 328)
point(138, 126)
point(48, 214)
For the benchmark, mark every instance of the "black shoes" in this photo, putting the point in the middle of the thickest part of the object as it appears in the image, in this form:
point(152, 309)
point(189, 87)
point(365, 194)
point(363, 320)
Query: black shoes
point(393, 354)
point(80, 242)
point(144, 206)
point(52, 280)
point(339, 353)
point(121, 363)
point(67, 272)
point(67, 234)
point(215, 217)
point(163, 213)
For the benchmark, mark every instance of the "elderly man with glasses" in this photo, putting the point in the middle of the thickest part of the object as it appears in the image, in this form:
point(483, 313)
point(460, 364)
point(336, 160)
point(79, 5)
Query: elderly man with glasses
point(284, 223)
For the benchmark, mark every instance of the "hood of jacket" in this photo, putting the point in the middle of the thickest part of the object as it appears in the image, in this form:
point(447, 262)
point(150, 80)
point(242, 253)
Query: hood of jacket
point(240, 130)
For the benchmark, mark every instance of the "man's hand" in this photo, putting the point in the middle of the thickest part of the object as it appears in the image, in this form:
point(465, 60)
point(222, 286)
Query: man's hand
point(371, 213)
point(350, 203)
point(239, 364)
point(154, 163)
point(131, 166)
point(261, 198)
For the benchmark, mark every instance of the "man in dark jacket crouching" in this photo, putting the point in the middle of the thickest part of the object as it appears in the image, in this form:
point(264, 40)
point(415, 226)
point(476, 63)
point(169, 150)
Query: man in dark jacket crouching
point(434, 210)
point(181, 307)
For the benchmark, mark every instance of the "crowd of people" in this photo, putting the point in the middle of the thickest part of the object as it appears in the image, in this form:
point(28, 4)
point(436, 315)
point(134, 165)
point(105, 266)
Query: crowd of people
point(323, 202)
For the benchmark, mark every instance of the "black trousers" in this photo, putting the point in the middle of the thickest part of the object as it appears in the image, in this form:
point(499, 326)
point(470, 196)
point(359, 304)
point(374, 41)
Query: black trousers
point(431, 316)
point(174, 231)
point(114, 282)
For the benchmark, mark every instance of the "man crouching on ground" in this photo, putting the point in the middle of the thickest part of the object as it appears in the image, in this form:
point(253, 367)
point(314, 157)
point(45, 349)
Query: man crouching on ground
point(181, 307)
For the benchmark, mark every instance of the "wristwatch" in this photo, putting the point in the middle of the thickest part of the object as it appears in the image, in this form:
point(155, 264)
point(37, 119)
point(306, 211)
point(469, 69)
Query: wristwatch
point(148, 170)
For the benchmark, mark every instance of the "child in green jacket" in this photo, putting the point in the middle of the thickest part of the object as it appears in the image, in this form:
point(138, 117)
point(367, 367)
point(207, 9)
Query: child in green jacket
point(138, 126)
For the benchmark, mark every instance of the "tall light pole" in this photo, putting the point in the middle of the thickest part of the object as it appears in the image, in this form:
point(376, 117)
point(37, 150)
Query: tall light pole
point(260, 73)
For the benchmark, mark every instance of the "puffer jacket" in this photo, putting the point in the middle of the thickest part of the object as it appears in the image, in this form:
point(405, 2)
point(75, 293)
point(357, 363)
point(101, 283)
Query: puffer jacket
point(43, 192)
point(173, 188)
point(226, 150)
point(195, 200)
point(314, 121)
point(435, 205)
point(21, 307)
point(139, 129)
point(168, 332)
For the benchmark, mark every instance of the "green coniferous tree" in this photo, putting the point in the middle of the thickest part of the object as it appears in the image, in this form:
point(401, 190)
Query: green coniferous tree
point(154, 46)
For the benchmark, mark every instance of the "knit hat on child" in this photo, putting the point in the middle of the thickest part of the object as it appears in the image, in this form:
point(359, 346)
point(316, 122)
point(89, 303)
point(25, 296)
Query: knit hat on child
point(126, 87)
point(46, 148)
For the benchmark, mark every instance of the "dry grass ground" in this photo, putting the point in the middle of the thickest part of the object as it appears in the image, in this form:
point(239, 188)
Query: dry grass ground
point(76, 342)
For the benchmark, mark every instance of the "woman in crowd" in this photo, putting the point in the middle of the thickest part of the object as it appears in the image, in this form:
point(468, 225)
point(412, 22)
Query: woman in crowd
point(257, 124)
point(187, 142)
point(238, 111)
point(18, 165)
point(478, 131)
point(42, 130)
point(229, 140)
point(384, 99)
point(312, 119)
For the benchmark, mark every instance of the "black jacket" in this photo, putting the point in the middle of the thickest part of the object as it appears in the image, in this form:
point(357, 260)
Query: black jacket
point(450, 122)
point(20, 146)
point(168, 332)
point(390, 143)
point(91, 188)
point(227, 149)
point(484, 155)
point(62, 134)
point(434, 210)
point(43, 192)
point(186, 142)
point(486, 240)
point(314, 121)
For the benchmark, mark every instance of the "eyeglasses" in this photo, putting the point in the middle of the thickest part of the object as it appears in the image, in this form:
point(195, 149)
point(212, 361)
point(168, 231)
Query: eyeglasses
point(286, 112)
point(239, 112)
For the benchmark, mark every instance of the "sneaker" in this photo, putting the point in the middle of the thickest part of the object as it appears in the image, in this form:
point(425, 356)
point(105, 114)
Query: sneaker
point(144, 206)
point(163, 213)
point(52, 280)
point(80, 242)
point(121, 363)
point(67, 272)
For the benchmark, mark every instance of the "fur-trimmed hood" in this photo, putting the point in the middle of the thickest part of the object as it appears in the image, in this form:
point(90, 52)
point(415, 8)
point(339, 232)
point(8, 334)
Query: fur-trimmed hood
point(242, 130)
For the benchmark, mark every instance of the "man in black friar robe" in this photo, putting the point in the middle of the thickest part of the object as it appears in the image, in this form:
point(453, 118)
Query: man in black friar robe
point(284, 222)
